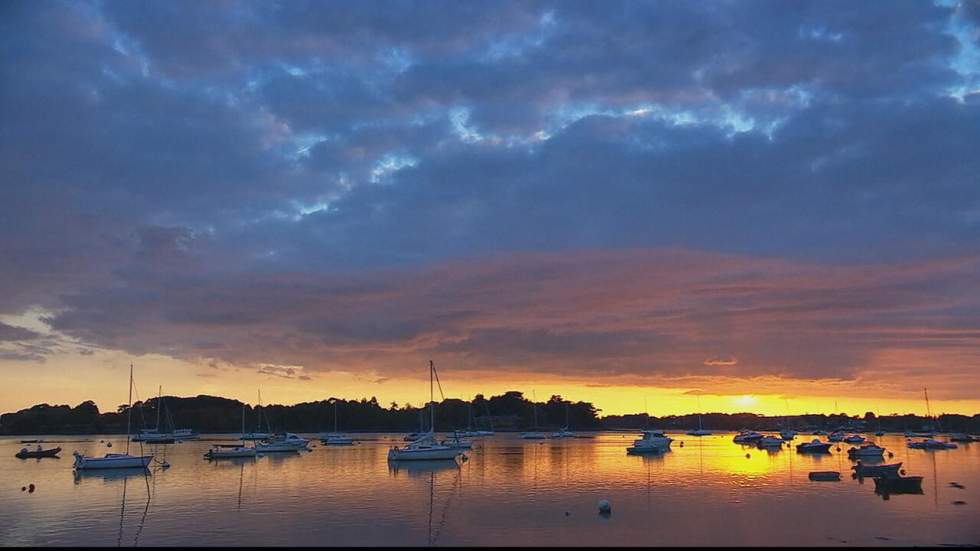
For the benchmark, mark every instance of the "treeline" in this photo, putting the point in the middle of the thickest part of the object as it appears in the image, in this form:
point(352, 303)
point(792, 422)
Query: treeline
point(508, 411)
point(210, 414)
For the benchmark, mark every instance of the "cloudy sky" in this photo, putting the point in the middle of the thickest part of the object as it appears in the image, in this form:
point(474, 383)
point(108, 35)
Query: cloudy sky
point(754, 202)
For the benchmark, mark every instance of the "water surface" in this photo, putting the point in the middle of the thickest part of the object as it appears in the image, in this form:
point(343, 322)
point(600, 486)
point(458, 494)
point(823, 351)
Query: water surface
point(709, 491)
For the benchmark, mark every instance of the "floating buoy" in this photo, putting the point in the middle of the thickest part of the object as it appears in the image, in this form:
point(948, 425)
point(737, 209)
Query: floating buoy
point(108, 444)
point(890, 454)
point(23, 488)
point(838, 448)
point(604, 507)
point(30, 488)
point(682, 443)
point(748, 455)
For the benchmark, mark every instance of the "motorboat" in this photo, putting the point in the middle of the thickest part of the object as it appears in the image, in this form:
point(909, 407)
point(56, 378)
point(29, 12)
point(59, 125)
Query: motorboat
point(116, 460)
point(962, 437)
point(226, 451)
point(837, 436)
point(770, 442)
point(854, 439)
point(283, 442)
point(931, 444)
point(426, 448)
point(747, 437)
point(255, 436)
point(814, 446)
point(869, 471)
point(824, 475)
point(787, 434)
point(39, 452)
point(653, 441)
point(867, 450)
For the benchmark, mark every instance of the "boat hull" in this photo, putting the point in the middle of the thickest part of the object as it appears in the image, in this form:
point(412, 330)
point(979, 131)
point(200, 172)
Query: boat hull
point(38, 454)
point(423, 455)
point(876, 471)
point(112, 462)
point(230, 454)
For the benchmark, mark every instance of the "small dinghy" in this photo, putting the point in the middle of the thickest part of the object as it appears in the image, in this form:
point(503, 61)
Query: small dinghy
point(25, 453)
point(883, 471)
point(898, 485)
point(824, 475)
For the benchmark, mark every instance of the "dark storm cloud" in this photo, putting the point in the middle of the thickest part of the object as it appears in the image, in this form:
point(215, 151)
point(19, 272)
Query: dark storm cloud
point(253, 181)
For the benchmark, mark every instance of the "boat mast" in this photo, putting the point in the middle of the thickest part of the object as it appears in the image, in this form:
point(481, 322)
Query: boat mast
point(432, 399)
point(929, 410)
point(159, 405)
point(534, 407)
point(129, 410)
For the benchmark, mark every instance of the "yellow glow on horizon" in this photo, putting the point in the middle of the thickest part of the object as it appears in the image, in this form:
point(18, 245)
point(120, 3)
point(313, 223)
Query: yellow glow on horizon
point(102, 377)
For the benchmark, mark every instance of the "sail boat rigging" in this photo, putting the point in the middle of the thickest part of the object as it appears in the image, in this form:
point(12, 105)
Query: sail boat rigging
point(701, 431)
point(426, 447)
point(335, 438)
point(116, 460)
point(534, 434)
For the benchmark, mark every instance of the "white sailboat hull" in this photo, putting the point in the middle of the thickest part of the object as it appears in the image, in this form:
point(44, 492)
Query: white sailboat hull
point(113, 461)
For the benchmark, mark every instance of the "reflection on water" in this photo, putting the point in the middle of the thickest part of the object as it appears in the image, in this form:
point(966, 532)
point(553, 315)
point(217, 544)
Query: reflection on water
point(708, 491)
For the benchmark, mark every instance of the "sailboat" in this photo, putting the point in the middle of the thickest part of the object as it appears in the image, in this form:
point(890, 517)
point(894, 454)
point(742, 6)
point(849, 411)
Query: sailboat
point(426, 447)
point(534, 434)
point(154, 436)
point(258, 425)
point(229, 451)
point(786, 433)
point(931, 443)
point(700, 431)
point(564, 432)
point(116, 460)
point(335, 438)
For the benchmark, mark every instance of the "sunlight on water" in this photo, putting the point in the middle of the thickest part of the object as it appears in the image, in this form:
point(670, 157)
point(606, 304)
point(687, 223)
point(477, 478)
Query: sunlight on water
point(708, 491)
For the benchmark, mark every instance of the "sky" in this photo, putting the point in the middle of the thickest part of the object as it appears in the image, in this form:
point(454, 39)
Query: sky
point(731, 206)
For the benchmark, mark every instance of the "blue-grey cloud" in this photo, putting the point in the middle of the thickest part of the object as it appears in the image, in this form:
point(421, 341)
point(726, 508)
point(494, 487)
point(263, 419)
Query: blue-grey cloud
point(174, 165)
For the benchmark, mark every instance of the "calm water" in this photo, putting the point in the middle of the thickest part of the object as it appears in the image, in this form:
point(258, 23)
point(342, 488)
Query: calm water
point(510, 492)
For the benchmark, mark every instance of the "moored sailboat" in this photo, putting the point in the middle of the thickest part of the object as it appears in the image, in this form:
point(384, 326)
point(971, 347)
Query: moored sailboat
point(426, 447)
point(116, 460)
